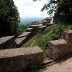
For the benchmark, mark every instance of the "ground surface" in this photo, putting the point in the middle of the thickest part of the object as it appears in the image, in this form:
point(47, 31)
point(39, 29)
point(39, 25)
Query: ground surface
point(60, 66)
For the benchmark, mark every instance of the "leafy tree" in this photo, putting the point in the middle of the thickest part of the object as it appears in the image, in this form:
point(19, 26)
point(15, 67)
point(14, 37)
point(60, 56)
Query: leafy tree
point(61, 9)
point(9, 18)
point(64, 11)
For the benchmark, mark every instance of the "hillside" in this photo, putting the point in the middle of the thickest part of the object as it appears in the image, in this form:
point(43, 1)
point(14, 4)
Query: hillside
point(51, 33)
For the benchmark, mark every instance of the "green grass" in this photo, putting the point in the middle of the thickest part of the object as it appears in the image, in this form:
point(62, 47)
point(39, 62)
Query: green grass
point(31, 42)
point(51, 33)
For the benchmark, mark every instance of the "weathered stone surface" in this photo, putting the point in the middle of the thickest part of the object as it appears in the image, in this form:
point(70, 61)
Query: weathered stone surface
point(20, 40)
point(25, 34)
point(7, 42)
point(68, 37)
point(41, 27)
point(5, 39)
point(29, 29)
point(57, 48)
point(20, 58)
point(35, 26)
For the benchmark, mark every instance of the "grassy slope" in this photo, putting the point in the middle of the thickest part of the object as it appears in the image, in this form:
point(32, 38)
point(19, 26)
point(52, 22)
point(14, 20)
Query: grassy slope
point(51, 33)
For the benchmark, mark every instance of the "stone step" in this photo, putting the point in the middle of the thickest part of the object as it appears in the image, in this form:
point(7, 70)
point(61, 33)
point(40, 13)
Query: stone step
point(57, 48)
point(48, 61)
point(29, 29)
point(25, 34)
point(6, 42)
point(42, 27)
point(35, 26)
point(20, 40)
point(12, 60)
point(5, 39)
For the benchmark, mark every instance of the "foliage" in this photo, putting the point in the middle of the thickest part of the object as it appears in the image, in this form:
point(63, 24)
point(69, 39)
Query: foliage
point(51, 33)
point(64, 12)
point(60, 9)
point(9, 18)
point(51, 7)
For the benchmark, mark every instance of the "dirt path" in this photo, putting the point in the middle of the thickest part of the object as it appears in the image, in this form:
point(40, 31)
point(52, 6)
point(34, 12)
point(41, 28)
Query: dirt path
point(64, 66)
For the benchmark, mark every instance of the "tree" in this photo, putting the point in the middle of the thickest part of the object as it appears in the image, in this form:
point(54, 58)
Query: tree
point(62, 10)
point(9, 18)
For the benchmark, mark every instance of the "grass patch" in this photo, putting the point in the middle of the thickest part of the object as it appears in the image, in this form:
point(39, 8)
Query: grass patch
point(51, 33)
point(31, 42)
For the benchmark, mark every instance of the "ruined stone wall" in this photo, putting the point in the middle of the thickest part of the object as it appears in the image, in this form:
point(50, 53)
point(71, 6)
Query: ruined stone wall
point(12, 60)
point(59, 48)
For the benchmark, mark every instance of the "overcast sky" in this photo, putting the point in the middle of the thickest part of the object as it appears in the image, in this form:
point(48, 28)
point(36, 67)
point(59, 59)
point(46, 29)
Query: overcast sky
point(28, 8)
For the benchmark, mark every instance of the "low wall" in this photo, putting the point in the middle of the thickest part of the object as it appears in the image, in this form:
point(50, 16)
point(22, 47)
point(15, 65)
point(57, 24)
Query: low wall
point(12, 60)
point(57, 48)
point(61, 47)
point(7, 42)
point(21, 39)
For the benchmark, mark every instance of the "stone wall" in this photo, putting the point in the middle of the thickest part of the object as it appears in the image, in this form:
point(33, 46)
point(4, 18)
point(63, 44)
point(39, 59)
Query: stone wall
point(57, 48)
point(12, 60)
point(61, 47)
point(7, 42)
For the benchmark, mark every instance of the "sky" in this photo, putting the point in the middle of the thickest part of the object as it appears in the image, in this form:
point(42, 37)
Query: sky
point(28, 8)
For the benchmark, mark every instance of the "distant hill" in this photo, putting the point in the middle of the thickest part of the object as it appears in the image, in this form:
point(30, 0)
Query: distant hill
point(29, 20)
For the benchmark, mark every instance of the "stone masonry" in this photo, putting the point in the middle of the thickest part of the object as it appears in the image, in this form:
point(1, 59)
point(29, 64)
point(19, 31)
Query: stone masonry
point(12, 60)
point(6, 42)
point(59, 48)
point(15, 59)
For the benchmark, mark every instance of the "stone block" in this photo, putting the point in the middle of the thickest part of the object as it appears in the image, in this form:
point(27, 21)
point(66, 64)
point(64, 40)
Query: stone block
point(25, 34)
point(67, 35)
point(6, 42)
point(29, 29)
point(57, 48)
point(20, 41)
point(12, 60)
